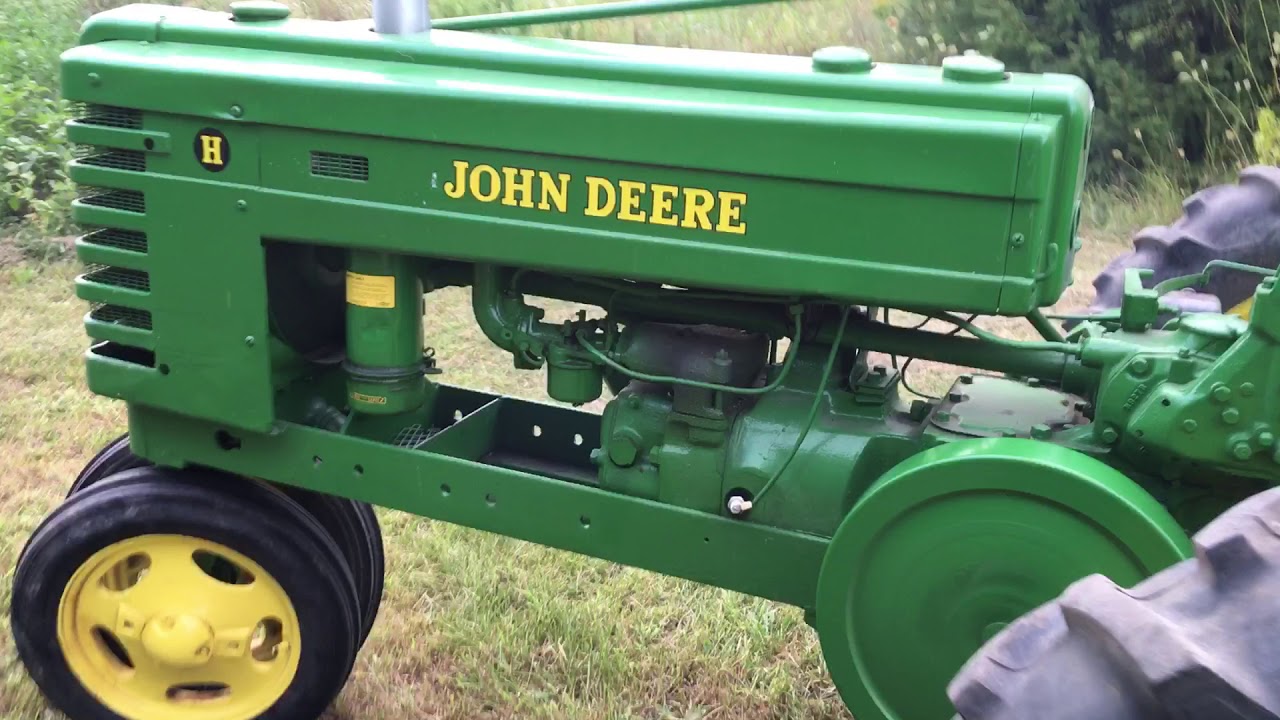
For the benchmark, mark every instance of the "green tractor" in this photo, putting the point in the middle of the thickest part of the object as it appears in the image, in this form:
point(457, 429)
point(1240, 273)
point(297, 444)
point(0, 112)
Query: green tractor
point(272, 202)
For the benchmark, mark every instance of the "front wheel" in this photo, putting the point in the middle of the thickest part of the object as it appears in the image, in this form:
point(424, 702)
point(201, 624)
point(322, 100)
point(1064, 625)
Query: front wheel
point(352, 524)
point(159, 595)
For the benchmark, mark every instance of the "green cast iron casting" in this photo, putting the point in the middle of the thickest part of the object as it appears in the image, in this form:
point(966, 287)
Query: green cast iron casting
point(274, 203)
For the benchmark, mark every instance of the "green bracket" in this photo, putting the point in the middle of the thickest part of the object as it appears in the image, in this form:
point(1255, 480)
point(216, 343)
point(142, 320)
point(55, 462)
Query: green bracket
point(1141, 305)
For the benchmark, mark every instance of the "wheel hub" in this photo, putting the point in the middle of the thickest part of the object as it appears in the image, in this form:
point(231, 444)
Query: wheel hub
point(180, 641)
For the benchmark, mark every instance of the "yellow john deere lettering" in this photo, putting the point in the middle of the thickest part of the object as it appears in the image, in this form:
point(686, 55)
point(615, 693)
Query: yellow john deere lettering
point(626, 200)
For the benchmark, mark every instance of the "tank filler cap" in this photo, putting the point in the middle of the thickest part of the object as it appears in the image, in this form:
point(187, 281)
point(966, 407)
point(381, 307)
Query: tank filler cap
point(842, 60)
point(258, 11)
point(973, 69)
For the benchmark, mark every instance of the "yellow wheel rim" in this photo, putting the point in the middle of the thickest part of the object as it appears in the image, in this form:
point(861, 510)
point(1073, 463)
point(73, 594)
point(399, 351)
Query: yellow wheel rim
point(170, 627)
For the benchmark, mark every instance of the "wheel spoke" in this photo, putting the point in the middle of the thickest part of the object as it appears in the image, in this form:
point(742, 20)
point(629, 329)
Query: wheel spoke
point(242, 607)
point(98, 607)
point(173, 580)
point(242, 673)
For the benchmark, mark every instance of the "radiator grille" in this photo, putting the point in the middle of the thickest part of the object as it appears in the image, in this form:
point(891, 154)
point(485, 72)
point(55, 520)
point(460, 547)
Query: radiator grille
point(107, 116)
point(125, 331)
point(126, 200)
point(130, 240)
point(119, 277)
point(120, 315)
point(335, 165)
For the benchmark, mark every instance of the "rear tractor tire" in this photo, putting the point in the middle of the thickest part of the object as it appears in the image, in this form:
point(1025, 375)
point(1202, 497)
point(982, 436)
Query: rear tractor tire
point(352, 524)
point(1240, 223)
point(165, 595)
point(1197, 641)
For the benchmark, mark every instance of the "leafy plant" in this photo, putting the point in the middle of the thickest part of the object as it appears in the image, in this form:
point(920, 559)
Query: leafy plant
point(33, 155)
point(33, 149)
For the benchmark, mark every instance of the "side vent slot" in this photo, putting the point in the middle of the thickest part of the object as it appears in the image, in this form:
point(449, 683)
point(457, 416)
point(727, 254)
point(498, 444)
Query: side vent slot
point(122, 316)
point(121, 354)
point(342, 167)
point(107, 116)
point(130, 160)
point(127, 240)
point(119, 278)
point(131, 201)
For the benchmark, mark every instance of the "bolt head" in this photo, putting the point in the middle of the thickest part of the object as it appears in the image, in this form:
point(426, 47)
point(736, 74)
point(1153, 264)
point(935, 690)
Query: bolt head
point(1231, 416)
point(1190, 425)
point(1220, 392)
point(1242, 451)
point(1109, 435)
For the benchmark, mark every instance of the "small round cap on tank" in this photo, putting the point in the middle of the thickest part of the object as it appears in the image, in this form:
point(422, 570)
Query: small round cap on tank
point(973, 68)
point(258, 11)
point(842, 60)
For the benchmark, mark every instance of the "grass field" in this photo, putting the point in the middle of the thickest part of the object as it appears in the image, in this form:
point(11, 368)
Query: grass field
point(473, 625)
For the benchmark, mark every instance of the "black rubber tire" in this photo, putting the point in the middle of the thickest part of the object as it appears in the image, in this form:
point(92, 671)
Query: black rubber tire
point(352, 524)
point(248, 518)
point(1199, 641)
point(1238, 222)
point(116, 457)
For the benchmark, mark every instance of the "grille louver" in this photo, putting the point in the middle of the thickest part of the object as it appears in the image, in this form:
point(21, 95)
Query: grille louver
point(130, 240)
point(130, 160)
point(120, 315)
point(126, 200)
point(107, 116)
point(119, 278)
point(344, 167)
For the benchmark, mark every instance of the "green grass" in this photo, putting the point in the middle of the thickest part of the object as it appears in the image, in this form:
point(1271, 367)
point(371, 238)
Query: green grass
point(473, 625)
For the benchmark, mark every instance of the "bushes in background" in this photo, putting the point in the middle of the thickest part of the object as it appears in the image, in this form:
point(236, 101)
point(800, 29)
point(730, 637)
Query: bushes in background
point(33, 149)
point(1175, 80)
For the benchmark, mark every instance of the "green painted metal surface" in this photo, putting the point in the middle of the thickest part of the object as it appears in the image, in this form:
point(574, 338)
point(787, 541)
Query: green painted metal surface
point(272, 204)
point(958, 541)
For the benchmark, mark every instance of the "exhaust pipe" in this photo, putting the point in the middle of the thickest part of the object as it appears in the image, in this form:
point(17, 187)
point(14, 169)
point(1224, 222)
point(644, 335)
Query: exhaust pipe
point(401, 17)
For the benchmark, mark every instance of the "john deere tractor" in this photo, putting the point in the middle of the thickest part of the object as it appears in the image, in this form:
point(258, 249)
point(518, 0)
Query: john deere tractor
point(273, 203)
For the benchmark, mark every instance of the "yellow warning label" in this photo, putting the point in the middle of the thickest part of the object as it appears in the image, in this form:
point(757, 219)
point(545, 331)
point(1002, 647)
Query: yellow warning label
point(370, 399)
point(371, 291)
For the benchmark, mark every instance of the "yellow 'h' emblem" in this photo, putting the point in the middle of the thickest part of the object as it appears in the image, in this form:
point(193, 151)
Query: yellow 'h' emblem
point(211, 148)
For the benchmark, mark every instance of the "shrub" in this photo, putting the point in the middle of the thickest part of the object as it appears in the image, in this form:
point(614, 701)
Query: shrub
point(33, 149)
point(1174, 80)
